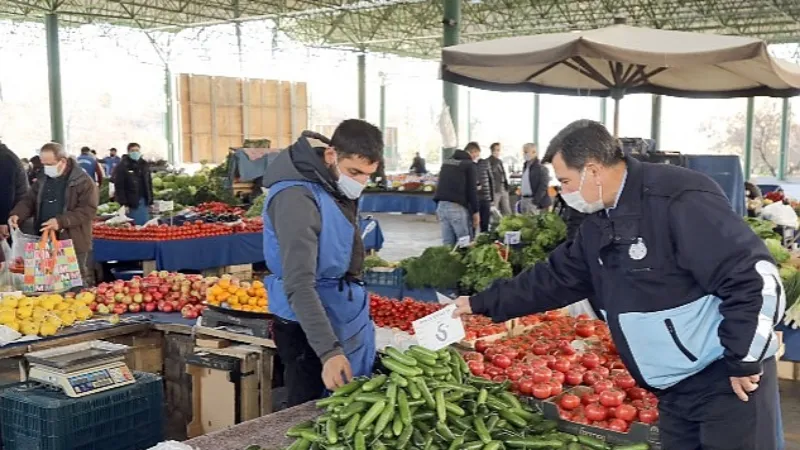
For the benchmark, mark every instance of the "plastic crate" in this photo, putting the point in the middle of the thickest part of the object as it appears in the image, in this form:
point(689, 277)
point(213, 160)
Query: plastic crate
point(126, 274)
point(390, 277)
point(126, 418)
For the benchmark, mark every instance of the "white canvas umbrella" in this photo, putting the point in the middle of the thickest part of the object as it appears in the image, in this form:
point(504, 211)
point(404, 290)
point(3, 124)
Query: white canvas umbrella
point(619, 60)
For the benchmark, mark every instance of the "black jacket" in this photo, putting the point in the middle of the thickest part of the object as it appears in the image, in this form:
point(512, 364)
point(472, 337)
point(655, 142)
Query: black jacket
point(485, 184)
point(418, 166)
point(13, 182)
point(539, 179)
point(132, 181)
point(680, 278)
point(458, 181)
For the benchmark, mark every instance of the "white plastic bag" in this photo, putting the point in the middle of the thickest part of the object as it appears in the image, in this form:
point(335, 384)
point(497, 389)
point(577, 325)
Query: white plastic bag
point(446, 128)
point(780, 214)
point(582, 307)
point(19, 240)
point(8, 335)
point(171, 445)
point(119, 218)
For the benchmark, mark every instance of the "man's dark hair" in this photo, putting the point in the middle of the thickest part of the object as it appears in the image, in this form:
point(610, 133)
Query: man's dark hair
point(133, 144)
point(494, 146)
point(355, 137)
point(472, 146)
point(112, 149)
point(584, 140)
point(85, 150)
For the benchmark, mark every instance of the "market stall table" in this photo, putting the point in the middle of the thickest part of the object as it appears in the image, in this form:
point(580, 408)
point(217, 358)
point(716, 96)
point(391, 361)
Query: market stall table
point(398, 202)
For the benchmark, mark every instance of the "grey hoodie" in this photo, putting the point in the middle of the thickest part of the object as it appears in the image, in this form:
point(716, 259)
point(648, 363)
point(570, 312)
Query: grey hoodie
point(297, 222)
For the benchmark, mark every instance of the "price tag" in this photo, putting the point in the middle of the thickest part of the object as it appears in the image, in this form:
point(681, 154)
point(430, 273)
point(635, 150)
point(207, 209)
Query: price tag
point(512, 237)
point(463, 241)
point(438, 330)
point(165, 205)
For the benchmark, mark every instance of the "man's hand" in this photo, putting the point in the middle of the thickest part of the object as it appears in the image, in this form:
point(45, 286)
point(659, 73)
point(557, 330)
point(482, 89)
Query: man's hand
point(13, 222)
point(745, 385)
point(50, 225)
point(476, 221)
point(462, 307)
point(336, 372)
point(3, 232)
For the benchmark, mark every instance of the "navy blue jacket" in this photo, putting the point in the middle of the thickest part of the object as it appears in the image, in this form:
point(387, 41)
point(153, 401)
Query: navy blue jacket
point(681, 279)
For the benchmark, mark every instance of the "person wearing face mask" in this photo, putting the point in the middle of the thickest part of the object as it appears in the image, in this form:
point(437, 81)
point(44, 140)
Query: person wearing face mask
point(64, 200)
point(535, 181)
point(689, 292)
point(313, 249)
point(133, 184)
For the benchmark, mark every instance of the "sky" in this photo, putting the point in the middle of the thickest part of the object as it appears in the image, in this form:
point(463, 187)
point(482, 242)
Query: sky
point(113, 91)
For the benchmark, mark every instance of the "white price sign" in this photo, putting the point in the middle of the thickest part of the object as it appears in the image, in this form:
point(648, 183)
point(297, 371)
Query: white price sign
point(512, 237)
point(165, 205)
point(438, 330)
point(463, 242)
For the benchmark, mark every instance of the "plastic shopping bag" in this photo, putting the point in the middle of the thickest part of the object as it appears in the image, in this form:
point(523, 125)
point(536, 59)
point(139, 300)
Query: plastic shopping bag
point(20, 240)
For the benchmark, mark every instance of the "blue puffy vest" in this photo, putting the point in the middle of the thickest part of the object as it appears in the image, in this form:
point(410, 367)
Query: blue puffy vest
point(87, 163)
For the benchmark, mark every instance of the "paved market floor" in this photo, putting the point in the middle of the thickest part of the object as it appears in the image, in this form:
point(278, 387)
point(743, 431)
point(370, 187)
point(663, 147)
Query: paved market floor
point(409, 235)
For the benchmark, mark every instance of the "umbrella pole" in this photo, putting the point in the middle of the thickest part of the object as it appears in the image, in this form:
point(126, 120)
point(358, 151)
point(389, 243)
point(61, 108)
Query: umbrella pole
point(616, 117)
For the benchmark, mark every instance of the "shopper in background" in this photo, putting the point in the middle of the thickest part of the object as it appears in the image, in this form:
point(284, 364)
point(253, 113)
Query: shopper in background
point(690, 293)
point(418, 165)
point(312, 246)
point(13, 186)
point(90, 165)
point(485, 191)
point(36, 170)
point(133, 184)
point(64, 201)
point(499, 181)
point(456, 196)
point(111, 161)
point(535, 181)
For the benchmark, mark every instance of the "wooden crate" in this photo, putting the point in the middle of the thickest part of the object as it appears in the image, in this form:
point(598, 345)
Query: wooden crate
point(146, 352)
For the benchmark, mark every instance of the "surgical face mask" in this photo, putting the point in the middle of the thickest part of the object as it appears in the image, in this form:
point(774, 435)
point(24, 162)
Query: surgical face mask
point(527, 156)
point(576, 201)
point(134, 155)
point(52, 171)
point(349, 186)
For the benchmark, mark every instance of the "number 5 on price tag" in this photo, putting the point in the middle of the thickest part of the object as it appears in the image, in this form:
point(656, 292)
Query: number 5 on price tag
point(438, 330)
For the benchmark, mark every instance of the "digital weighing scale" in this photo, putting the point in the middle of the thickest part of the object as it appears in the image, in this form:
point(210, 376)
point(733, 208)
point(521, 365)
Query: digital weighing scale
point(81, 369)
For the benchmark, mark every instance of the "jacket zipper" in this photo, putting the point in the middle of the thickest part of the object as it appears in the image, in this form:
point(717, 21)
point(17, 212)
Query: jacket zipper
point(677, 340)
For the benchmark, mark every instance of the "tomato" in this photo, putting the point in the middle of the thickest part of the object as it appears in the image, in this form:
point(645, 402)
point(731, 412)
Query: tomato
point(620, 426)
point(590, 378)
point(595, 412)
point(562, 365)
point(584, 328)
point(542, 390)
point(612, 397)
point(481, 346)
point(590, 398)
point(476, 367)
point(590, 360)
point(499, 378)
point(636, 393)
point(559, 376)
point(648, 416)
point(526, 386)
point(603, 385)
point(626, 412)
point(512, 353)
point(565, 415)
point(542, 374)
point(624, 381)
point(582, 420)
point(540, 348)
point(501, 361)
point(555, 388)
point(569, 401)
point(600, 424)
point(473, 356)
point(602, 371)
point(514, 373)
point(493, 371)
point(574, 378)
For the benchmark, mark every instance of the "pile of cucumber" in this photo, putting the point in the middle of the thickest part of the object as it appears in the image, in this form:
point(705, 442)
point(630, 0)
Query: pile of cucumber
point(428, 401)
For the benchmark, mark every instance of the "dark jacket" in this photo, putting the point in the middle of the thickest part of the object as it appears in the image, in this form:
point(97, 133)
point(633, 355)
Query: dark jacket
point(132, 181)
point(80, 207)
point(680, 277)
point(539, 179)
point(13, 184)
point(458, 181)
point(499, 177)
point(485, 185)
point(295, 216)
point(418, 166)
point(571, 216)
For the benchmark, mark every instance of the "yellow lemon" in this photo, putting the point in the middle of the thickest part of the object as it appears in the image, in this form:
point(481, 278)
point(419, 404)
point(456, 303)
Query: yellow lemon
point(11, 302)
point(26, 302)
point(67, 318)
point(39, 313)
point(48, 303)
point(57, 297)
point(83, 313)
point(63, 306)
point(24, 312)
point(29, 328)
point(48, 329)
point(7, 316)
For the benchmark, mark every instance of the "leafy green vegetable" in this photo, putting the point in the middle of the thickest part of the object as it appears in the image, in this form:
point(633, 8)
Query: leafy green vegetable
point(778, 252)
point(257, 207)
point(763, 228)
point(484, 266)
point(791, 285)
point(375, 261)
point(437, 267)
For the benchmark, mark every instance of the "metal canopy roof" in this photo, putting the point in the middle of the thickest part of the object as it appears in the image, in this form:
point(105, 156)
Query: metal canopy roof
point(414, 27)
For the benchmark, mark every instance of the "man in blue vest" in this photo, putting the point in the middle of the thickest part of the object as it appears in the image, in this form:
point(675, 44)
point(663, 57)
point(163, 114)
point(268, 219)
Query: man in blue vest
point(312, 246)
point(89, 164)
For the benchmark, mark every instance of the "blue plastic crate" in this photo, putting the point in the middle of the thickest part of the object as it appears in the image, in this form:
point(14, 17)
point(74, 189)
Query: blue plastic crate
point(389, 278)
point(127, 418)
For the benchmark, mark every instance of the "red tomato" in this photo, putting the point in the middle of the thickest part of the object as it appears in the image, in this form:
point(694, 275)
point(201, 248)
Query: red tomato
point(565, 415)
point(574, 378)
point(600, 424)
point(620, 426)
point(590, 378)
point(473, 356)
point(584, 328)
point(542, 390)
point(612, 397)
point(648, 416)
point(481, 346)
point(602, 371)
point(540, 348)
point(499, 378)
point(512, 353)
point(555, 388)
point(562, 365)
point(514, 373)
point(636, 393)
point(493, 371)
point(590, 360)
point(602, 385)
point(501, 361)
point(582, 420)
point(569, 402)
point(526, 386)
point(595, 412)
point(590, 398)
point(624, 381)
point(542, 374)
point(476, 367)
point(626, 412)
point(559, 376)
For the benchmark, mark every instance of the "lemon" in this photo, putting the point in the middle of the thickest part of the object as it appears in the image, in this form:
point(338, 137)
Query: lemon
point(83, 313)
point(48, 303)
point(48, 329)
point(63, 306)
point(29, 328)
point(67, 318)
point(7, 316)
point(39, 313)
point(11, 302)
point(24, 312)
point(57, 298)
point(26, 302)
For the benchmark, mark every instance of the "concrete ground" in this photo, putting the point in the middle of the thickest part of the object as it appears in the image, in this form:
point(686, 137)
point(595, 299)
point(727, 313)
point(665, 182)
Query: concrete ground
point(409, 235)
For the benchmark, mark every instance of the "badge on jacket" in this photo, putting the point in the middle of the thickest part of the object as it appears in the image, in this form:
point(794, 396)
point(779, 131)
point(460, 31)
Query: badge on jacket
point(638, 251)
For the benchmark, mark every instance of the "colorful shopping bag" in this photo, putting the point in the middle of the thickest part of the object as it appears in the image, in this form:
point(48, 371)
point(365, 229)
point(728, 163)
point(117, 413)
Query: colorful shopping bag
point(51, 265)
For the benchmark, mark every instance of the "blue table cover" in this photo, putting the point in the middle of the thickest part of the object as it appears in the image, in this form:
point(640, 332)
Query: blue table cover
point(107, 250)
point(725, 170)
point(791, 342)
point(380, 202)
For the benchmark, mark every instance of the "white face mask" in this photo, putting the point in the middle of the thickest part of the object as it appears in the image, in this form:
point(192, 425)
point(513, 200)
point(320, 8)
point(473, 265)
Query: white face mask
point(349, 186)
point(576, 201)
point(51, 171)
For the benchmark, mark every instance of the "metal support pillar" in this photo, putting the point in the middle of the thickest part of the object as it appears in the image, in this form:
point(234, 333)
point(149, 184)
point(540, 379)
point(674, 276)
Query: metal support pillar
point(785, 125)
point(169, 116)
point(54, 78)
point(748, 138)
point(604, 111)
point(362, 85)
point(536, 118)
point(655, 121)
point(469, 115)
point(451, 36)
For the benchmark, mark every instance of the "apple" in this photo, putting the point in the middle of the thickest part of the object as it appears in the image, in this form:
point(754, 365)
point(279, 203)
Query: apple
point(167, 308)
point(163, 274)
point(134, 307)
point(150, 306)
point(101, 289)
point(120, 309)
point(164, 289)
point(147, 298)
point(134, 290)
point(158, 296)
point(138, 298)
point(102, 309)
point(118, 288)
point(119, 296)
point(93, 306)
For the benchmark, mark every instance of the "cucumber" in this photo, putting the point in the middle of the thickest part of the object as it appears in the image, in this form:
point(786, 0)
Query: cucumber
point(398, 379)
point(423, 351)
point(331, 431)
point(400, 357)
point(348, 388)
point(375, 383)
point(374, 411)
point(402, 369)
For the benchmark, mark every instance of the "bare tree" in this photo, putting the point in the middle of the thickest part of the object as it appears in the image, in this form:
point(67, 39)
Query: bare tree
point(729, 138)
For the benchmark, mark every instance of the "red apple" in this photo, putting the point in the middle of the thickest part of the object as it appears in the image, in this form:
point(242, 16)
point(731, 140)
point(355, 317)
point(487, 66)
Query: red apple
point(150, 306)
